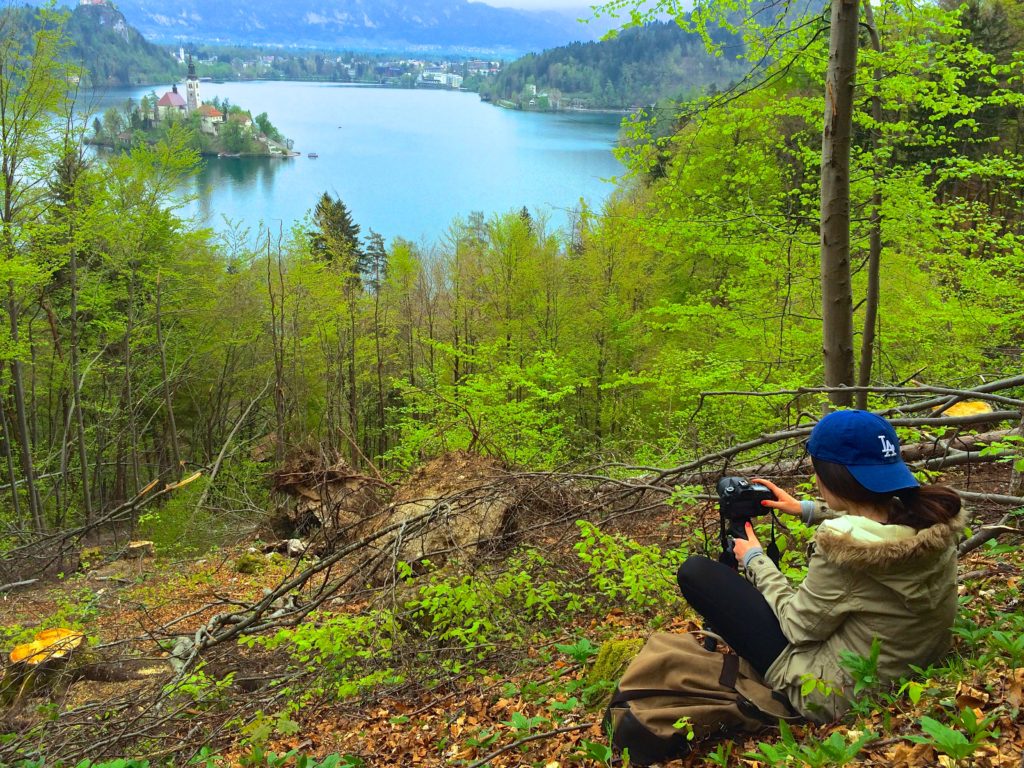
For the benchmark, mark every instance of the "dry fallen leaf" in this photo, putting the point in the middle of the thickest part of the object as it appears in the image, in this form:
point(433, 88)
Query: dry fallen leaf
point(1015, 689)
point(912, 756)
point(968, 697)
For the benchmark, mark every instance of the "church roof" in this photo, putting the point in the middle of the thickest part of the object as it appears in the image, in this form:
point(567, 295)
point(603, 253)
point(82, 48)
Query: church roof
point(171, 99)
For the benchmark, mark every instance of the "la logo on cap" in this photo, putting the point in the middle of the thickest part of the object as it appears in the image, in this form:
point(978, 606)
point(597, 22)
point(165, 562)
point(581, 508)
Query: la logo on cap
point(888, 449)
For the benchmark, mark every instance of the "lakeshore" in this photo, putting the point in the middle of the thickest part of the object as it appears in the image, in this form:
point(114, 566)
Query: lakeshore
point(405, 161)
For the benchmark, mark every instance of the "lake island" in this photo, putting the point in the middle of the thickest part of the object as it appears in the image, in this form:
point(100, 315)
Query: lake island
point(216, 128)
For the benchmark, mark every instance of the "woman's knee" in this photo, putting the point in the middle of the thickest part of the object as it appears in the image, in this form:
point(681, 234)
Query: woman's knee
point(693, 573)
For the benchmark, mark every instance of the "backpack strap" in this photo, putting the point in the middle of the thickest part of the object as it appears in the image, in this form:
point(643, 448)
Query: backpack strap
point(730, 671)
point(773, 549)
point(781, 698)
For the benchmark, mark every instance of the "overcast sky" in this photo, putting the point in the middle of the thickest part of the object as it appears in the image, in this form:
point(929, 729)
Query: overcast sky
point(582, 8)
point(540, 5)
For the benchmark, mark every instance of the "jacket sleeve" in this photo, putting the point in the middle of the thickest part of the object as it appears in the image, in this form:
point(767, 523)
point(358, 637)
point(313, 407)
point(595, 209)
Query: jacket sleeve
point(816, 511)
point(814, 610)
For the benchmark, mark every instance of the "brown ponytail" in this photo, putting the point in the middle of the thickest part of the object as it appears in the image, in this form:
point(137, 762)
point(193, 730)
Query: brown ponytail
point(915, 507)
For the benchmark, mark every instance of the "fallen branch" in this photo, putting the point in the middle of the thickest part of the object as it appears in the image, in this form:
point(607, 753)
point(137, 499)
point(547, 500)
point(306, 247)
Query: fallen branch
point(528, 739)
point(998, 530)
point(16, 584)
point(985, 573)
point(226, 626)
point(959, 458)
point(679, 475)
point(994, 498)
point(979, 393)
point(987, 533)
point(969, 442)
point(992, 386)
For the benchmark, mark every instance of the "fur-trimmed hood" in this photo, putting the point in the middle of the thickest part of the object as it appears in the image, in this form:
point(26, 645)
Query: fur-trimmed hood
point(843, 546)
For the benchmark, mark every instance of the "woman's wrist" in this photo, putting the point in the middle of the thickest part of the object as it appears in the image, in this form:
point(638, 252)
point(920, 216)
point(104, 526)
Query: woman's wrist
point(807, 509)
point(750, 555)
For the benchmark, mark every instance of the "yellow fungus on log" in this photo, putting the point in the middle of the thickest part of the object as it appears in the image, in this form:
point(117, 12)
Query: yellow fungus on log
point(48, 644)
point(967, 408)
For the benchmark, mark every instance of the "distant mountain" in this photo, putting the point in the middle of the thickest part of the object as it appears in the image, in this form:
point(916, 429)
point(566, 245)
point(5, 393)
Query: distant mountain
point(638, 67)
point(355, 24)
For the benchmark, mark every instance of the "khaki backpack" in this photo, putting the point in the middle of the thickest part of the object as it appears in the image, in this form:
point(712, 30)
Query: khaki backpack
point(676, 693)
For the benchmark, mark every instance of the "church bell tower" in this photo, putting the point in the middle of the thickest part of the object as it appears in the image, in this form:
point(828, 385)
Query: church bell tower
point(192, 87)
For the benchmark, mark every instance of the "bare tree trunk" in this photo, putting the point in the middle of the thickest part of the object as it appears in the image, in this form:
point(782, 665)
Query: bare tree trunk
point(76, 391)
point(353, 396)
point(15, 503)
point(129, 393)
point(102, 444)
point(168, 402)
point(277, 338)
point(867, 341)
point(18, 387)
point(381, 437)
point(836, 290)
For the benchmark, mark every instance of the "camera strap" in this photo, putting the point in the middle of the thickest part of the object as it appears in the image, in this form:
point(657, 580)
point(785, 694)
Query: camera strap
point(772, 550)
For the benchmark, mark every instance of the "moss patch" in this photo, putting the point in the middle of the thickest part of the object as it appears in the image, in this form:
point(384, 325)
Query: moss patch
point(250, 563)
point(612, 659)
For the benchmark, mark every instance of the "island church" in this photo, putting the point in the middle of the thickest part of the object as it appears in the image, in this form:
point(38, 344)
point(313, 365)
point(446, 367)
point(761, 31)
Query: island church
point(172, 104)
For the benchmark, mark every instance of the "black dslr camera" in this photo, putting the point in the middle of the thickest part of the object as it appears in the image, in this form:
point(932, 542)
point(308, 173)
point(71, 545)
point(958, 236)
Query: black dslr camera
point(739, 500)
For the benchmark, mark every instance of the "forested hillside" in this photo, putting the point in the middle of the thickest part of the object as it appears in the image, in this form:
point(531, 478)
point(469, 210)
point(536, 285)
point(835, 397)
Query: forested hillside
point(380, 503)
point(640, 66)
point(99, 38)
point(114, 53)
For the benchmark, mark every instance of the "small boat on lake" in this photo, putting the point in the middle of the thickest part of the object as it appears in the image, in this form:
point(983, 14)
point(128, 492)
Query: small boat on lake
point(313, 155)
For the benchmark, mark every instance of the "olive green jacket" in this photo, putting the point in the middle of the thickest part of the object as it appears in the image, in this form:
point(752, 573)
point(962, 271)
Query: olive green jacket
point(864, 580)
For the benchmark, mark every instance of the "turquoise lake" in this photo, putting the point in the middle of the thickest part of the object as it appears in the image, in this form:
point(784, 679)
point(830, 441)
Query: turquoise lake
point(406, 162)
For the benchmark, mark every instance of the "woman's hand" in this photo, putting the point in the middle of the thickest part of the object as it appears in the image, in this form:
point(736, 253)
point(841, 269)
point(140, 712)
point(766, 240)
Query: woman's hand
point(783, 501)
point(741, 546)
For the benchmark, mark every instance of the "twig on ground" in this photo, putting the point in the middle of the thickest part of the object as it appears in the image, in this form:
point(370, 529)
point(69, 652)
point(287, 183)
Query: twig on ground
point(528, 739)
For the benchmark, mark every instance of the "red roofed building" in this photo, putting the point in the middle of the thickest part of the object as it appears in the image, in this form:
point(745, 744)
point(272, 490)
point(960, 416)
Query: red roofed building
point(171, 103)
point(210, 117)
point(210, 111)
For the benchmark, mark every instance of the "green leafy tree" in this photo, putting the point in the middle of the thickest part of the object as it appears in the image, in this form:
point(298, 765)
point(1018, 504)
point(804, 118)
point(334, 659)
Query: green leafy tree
point(335, 238)
point(35, 96)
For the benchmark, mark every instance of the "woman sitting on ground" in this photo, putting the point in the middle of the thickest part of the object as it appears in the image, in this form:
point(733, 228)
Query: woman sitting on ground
point(885, 570)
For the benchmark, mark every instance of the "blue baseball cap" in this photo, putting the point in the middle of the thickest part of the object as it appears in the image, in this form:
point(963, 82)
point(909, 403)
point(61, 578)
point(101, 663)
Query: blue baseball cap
point(866, 444)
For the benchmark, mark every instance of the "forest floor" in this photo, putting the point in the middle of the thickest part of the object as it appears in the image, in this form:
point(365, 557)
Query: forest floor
point(526, 700)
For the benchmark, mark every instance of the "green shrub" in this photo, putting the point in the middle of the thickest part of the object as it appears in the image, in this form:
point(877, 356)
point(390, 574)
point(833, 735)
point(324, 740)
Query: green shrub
point(625, 572)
